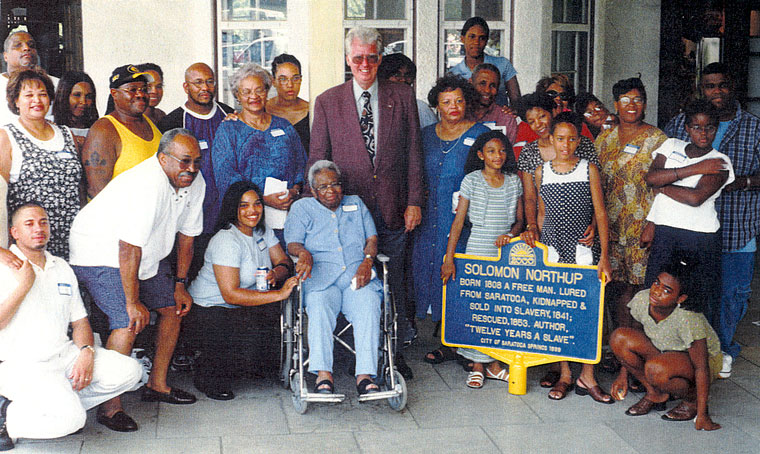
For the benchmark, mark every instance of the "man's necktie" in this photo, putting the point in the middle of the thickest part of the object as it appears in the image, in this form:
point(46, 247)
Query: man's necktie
point(367, 124)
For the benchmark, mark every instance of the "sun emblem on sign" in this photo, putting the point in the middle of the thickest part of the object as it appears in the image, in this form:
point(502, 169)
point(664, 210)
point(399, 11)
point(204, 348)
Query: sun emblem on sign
point(522, 255)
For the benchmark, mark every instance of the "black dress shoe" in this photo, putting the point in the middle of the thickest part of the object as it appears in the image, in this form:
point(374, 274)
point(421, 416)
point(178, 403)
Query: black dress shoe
point(218, 394)
point(120, 422)
point(175, 396)
point(403, 368)
point(6, 444)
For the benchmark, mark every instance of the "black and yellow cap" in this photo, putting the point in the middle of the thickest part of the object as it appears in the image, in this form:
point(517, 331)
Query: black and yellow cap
point(126, 74)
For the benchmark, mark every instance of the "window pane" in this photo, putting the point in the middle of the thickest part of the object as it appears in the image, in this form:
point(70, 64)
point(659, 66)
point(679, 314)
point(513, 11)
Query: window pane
point(453, 51)
point(457, 10)
point(394, 42)
point(489, 10)
point(570, 12)
point(563, 51)
point(252, 10)
point(248, 46)
point(365, 9)
point(570, 56)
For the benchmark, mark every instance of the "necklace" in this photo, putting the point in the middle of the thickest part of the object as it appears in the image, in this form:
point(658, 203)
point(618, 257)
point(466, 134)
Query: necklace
point(446, 151)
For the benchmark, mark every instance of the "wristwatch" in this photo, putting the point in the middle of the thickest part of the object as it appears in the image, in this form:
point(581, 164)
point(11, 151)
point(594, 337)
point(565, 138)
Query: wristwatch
point(180, 280)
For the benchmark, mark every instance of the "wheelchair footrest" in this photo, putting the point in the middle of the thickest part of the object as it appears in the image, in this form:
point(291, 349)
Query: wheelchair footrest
point(318, 397)
point(380, 395)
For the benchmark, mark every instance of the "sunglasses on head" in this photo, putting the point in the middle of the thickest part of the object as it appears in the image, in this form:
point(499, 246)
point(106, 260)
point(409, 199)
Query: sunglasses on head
point(563, 96)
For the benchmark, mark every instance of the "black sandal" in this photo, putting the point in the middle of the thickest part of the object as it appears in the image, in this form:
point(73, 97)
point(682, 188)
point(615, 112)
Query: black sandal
point(329, 387)
point(440, 355)
point(363, 387)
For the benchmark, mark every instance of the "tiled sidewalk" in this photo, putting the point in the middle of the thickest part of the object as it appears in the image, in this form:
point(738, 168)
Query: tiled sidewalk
point(442, 416)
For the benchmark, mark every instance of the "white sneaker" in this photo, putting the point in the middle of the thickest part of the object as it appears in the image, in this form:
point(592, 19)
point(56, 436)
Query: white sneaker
point(728, 362)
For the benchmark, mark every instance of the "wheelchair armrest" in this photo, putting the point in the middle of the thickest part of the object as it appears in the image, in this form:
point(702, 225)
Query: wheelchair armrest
point(382, 258)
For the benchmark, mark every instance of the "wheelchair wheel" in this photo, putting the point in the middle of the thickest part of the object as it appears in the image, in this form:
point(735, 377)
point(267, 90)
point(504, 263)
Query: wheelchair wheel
point(299, 404)
point(287, 341)
point(397, 403)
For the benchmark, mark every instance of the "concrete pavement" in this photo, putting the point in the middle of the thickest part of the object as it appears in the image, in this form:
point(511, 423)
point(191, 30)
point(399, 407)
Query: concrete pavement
point(442, 416)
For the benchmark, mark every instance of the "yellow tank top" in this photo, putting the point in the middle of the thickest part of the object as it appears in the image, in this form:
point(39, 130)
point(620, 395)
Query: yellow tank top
point(134, 149)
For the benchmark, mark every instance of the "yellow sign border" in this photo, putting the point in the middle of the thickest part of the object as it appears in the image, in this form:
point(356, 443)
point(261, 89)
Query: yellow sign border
point(520, 361)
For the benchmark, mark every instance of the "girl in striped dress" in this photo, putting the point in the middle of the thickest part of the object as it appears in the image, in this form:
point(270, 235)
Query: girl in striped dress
point(490, 195)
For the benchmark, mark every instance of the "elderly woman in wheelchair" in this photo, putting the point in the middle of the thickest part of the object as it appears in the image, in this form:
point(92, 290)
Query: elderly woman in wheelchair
point(335, 241)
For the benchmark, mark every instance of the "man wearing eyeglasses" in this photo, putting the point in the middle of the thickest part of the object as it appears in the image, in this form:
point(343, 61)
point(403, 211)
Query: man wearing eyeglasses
point(370, 129)
point(201, 114)
point(119, 247)
point(738, 137)
point(123, 138)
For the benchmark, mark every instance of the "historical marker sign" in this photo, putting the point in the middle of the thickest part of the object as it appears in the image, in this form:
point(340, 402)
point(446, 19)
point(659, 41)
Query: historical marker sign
point(517, 302)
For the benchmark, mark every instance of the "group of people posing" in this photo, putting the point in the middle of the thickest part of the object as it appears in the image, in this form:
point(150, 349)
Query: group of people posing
point(168, 212)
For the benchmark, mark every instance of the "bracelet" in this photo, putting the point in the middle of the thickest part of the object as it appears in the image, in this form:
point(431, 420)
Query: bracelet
point(369, 256)
point(527, 227)
point(87, 347)
point(676, 172)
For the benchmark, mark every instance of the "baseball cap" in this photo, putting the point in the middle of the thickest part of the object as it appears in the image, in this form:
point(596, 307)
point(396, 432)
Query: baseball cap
point(127, 73)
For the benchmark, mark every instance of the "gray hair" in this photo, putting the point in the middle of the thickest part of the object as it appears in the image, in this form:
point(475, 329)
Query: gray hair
point(169, 137)
point(248, 70)
point(7, 42)
point(365, 36)
point(320, 166)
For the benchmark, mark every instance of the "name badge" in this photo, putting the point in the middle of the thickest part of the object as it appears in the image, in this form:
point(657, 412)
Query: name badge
point(277, 132)
point(677, 156)
point(64, 289)
point(203, 144)
point(468, 141)
point(261, 244)
point(631, 149)
point(350, 208)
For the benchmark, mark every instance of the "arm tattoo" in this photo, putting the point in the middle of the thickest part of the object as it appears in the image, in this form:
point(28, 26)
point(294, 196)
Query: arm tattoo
point(94, 160)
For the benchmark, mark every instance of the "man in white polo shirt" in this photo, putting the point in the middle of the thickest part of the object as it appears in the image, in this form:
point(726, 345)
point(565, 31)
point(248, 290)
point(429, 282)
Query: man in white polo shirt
point(48, 380)
point(119, 247)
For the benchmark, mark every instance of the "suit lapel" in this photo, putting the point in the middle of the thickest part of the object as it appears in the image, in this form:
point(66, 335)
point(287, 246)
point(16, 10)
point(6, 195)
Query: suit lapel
point(350, 115)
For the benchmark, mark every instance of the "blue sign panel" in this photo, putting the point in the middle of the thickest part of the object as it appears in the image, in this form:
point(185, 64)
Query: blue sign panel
point(517, 302)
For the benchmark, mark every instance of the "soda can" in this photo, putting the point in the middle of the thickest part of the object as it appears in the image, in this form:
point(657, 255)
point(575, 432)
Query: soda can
point(262, 284)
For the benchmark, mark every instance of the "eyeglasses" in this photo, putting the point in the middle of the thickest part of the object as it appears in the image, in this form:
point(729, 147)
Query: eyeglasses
point(594, 110)
point(722, 86)
point(625, 100)
point(563, 96)
point(134, 90)
point(372, 59)
point(295, 79)
point(185, 163)
point(325, 187)
point(201, 83)
point(707, 128)
point(260, 92)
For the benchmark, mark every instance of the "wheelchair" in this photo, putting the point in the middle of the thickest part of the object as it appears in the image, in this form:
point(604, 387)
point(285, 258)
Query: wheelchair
point(294, 355)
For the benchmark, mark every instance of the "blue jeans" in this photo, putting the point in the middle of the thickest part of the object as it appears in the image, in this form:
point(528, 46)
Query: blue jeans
point(738, 268)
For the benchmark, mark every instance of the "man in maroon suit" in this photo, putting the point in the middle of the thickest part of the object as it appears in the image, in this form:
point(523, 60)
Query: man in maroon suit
point(370, 129)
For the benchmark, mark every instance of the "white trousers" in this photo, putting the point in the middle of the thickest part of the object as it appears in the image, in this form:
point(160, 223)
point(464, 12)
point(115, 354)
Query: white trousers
point(44, 405)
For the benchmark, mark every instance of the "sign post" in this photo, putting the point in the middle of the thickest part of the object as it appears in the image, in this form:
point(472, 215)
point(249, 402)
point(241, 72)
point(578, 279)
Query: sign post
point(523, 311)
